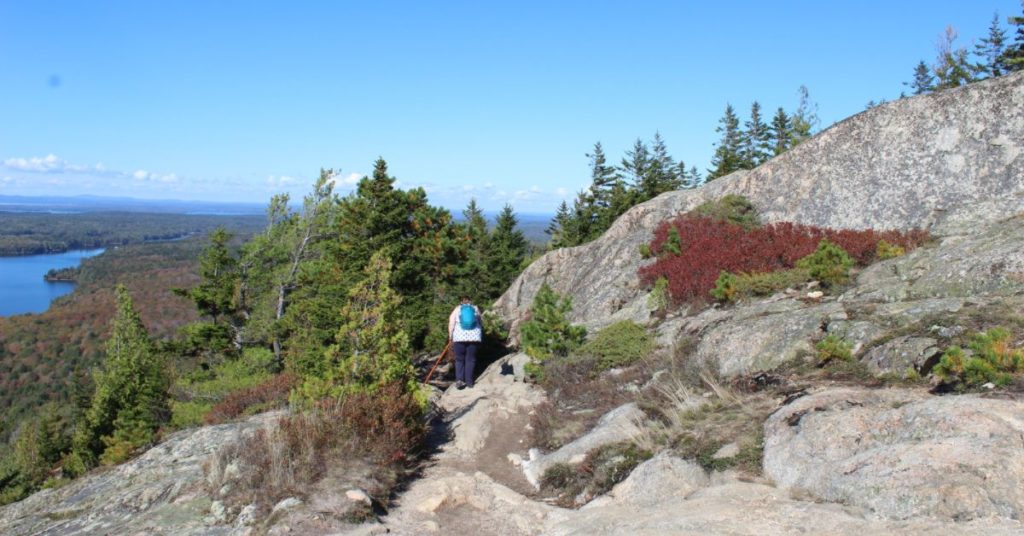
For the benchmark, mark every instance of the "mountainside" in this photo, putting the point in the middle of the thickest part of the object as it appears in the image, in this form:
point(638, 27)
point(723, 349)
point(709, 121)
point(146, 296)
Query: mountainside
point(888, 403)
point(948, 162)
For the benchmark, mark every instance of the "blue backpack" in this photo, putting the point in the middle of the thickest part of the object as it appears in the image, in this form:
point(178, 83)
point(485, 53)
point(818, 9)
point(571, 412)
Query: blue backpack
point(467, 317)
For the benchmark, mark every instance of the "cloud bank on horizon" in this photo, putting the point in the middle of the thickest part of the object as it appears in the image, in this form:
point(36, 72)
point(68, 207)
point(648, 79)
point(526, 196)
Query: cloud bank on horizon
point(52, 175)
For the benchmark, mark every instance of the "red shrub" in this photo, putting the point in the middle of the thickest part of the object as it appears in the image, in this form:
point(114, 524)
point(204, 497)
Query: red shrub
point(274, 390)
point(708, 246)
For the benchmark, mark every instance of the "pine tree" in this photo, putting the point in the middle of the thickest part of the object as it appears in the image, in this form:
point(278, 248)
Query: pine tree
point(1013, 58)
point(560, 228)
point(952, 68)
point(372, 349)
point(548, 332)
point(635, 164)
point(505, 256)
point(727, 157)
point(660, 175)
point(603, 178)
point(805, 119)
point(924, 80)
point(756, 139)
point(131, 398)
point(780, 132)
point(218, 273)
point(991, 49)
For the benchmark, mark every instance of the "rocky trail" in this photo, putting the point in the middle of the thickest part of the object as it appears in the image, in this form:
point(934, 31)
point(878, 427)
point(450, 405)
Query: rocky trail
point(474, 484)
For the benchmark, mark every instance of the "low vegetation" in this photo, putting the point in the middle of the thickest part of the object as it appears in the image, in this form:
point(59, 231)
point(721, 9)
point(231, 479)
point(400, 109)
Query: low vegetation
point(694, 250)
point(370, 436)
point(990, 358)
point(573, 485)
point(697, 426)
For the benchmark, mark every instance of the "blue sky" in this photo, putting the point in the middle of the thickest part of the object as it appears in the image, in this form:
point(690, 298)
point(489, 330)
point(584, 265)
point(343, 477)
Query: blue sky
point(239, 100)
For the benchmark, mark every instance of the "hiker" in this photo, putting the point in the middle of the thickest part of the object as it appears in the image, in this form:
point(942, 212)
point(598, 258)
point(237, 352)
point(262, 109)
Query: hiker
point(465, 332)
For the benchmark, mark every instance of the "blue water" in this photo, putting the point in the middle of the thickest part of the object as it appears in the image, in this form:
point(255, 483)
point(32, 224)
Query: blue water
point(22, 288)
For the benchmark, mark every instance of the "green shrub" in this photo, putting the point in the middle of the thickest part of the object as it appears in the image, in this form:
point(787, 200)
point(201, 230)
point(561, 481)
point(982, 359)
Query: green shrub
point(829, 264)
point(197, 392)
point(645, 251)
point(674, 243)
point(832, 348)
point(885, 250)
point(548, 332)
point(725, 288)
point(658, 300)
point(732, 208)
point(731, 287)
point(188, 413)
point(993, 360)
point(618, 345)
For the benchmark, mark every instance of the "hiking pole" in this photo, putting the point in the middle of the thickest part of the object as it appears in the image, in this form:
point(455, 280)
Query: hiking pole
point(438, 362)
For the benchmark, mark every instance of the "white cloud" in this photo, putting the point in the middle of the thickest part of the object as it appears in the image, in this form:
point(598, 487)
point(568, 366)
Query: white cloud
point(141, 175)
point(50, 163)
point(562, 192)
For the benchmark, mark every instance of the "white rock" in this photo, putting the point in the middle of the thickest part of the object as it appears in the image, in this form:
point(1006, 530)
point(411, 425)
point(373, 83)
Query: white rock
point(515, 459)
point(246, 517)
point(727, 451)
point(286, 504)
point(358, 495)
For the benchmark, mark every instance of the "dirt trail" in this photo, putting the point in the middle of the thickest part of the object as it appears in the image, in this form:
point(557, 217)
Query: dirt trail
point(470, 486)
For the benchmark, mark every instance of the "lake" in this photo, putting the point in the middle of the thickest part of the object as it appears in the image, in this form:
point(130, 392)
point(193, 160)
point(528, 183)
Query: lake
point(22, 288)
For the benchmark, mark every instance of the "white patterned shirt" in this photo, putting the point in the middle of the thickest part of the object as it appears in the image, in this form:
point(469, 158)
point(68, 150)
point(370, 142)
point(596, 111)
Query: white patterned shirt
point(455, 331)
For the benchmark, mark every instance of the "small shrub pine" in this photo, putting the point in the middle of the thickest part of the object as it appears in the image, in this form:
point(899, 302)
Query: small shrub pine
point(829, 264)
point(548, 333)
point(832, 349)
point(993, 360)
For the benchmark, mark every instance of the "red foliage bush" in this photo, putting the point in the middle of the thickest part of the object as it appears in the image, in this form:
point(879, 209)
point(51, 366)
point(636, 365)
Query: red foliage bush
point(274, 390)
point(707, 247)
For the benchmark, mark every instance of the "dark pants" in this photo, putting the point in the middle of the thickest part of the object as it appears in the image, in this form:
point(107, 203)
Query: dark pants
point(465, 361)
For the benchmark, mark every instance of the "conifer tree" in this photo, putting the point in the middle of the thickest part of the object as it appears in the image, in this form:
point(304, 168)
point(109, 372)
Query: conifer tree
point(508, 248)
point(952, 68)
point(805, 119)
point(660, 175)
point(372, 349)
point(603, 178)
point(635, 164)
point(924, 80)
point(1013, 58)
point(779, 132)
point(756, 139)
point(218, 271)
point(130, 401)
point(991, 50)
point(548, 332)
point(727, 157)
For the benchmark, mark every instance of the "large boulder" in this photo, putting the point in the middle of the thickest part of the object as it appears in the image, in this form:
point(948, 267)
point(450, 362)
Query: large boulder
point(160, 492)
point(948, 162)
point(901, 453)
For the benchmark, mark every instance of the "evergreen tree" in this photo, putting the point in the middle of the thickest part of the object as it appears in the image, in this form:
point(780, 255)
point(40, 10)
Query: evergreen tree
point(924, 80)
point(603, 178)
point(556, 229)
point(508, 249)
point(952, 68)
point(130, 401)
point(1013, 58)
point(635, 164)
point(780, 132)
point(756, 139)
point(660, 174)
point(218, 273)
point(548, 332)
point(372, 349)
point(805, 119)
point(991, 49)
point(727, 157)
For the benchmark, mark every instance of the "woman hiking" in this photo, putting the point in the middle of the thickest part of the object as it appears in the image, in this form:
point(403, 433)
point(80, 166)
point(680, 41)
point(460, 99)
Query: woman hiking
point(465, 333)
